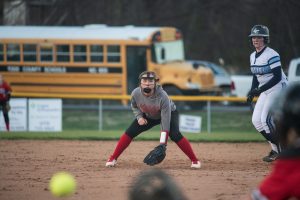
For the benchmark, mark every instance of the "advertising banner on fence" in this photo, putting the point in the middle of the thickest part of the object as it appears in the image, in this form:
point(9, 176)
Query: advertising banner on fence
point(45, 114)
point(17, 115)
point(190, 124)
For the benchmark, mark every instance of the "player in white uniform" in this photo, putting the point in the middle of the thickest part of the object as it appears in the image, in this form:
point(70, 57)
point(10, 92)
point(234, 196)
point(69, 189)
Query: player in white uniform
point(268, 81)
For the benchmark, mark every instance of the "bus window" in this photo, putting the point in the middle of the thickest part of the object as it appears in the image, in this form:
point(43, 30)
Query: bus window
point(46, 54)
point(13, 52)
point(79, 53)
point(113, 53)
point(1, 52)
point(29, 52)
point(136, 63)
point(63, 53)
point(173, 51)
point(96, 53)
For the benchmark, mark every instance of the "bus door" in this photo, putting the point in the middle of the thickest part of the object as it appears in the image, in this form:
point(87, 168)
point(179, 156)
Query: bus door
point(136, 64)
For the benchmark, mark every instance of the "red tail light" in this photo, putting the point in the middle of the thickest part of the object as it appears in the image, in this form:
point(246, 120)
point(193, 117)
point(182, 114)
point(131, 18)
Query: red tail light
point(178, 35)
point(232, 86)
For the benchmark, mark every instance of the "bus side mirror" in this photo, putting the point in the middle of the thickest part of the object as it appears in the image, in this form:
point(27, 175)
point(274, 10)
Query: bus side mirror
point(163, 53)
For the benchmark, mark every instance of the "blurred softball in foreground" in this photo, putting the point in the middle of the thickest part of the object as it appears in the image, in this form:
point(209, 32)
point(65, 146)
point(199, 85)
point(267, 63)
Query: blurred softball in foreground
point(62, 184)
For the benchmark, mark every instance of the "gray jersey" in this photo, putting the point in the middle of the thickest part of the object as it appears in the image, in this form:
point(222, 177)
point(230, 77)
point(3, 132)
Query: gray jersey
point(157, 106)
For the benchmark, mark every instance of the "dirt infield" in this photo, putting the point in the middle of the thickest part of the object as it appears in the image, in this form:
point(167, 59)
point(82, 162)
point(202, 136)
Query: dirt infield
point(229, 171)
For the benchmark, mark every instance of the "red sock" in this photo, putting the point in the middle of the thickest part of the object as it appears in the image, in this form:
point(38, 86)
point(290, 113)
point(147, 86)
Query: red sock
point(186, 147)
point(123, 143)
point(7, 126)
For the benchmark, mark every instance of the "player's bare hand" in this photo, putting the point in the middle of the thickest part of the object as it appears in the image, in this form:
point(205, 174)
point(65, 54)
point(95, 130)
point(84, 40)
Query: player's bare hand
point(142, 121)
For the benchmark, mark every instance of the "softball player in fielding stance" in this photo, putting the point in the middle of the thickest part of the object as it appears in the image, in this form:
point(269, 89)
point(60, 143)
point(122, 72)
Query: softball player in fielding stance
point(268, 81)
point(152, 106)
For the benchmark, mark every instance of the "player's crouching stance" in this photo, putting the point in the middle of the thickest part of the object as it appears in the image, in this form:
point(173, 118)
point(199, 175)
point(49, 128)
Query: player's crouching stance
point(152, 106)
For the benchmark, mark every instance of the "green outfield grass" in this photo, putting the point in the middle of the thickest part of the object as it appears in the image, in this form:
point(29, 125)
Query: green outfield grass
point(150, 135)
point(120, 120)
point(84, 125)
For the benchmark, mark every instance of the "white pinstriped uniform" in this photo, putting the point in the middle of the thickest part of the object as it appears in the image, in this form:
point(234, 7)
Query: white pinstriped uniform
point(261, 67)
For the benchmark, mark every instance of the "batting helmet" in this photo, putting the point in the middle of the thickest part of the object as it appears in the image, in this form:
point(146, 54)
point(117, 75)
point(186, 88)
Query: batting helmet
point(260, 31)
point(286, 112)
point(148, 75)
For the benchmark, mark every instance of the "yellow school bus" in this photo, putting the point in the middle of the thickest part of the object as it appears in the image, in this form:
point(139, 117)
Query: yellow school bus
point(97, 59)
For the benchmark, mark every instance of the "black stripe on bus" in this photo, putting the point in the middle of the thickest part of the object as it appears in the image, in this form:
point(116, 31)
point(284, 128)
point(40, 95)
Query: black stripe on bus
point(60, 69)
point(63, 85)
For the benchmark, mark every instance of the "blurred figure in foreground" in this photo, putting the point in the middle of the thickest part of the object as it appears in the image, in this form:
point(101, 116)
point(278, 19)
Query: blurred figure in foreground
point(155, 184)
point(5, 91)
point(284, 180)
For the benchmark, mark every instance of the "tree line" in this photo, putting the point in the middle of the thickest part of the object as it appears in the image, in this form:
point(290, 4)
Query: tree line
point(212, 29)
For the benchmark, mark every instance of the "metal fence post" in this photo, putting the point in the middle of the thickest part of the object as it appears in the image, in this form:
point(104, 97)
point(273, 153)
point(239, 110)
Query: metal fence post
point(100, 115)
point(27, 113)
point(208, 117)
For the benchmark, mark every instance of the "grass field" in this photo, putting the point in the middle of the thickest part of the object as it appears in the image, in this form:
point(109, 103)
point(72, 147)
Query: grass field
point(120, 120)
point(114, 135)
point(84, 125)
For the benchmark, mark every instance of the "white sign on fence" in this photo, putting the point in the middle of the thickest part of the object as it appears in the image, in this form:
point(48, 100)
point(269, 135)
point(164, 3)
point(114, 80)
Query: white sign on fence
point(190, 124)
point(45, 114)
point(17, 115)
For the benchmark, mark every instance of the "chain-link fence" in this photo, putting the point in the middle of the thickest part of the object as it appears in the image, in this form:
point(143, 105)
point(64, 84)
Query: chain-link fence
point(111, 115)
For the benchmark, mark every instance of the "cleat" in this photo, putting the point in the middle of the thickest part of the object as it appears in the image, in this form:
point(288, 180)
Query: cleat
point(271, 157)
point(111, 162)
point(196, 164)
